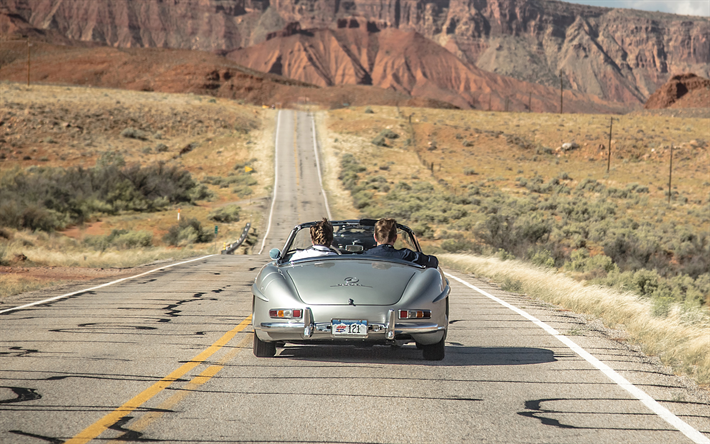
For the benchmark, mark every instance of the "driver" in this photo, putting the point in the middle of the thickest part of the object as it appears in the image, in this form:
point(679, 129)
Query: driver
point(386, 236)
point(321, 238)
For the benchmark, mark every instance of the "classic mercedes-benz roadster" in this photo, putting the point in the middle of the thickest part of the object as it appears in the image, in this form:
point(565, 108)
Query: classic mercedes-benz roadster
point(349, 297)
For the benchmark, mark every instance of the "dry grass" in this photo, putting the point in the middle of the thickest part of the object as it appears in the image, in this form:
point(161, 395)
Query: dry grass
point(11, 284)
point(492, 150)
point(53, 259)
point(681, 340)
point(59, 126)
point(640, 151)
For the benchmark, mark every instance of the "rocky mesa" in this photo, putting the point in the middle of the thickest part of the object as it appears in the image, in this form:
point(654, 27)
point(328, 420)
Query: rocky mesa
point(405, 62)
point(619, 55)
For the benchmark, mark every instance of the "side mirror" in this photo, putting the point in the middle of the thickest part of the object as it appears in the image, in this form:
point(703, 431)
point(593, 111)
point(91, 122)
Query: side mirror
point(274, 253)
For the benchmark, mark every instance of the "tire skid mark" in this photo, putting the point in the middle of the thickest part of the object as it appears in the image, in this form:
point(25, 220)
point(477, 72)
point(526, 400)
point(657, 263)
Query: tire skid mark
point(19, 352)
point(535, 410)
point(23, 395)
point(34, 435)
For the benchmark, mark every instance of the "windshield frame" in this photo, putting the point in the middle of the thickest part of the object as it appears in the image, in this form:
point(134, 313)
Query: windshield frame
point(412, 242)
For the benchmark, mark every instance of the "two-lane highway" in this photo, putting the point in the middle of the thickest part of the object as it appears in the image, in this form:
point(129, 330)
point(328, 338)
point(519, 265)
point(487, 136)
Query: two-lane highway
point(166, 357)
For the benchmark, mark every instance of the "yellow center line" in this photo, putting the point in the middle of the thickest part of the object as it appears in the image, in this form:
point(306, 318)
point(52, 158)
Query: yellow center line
point(143, 422)
point(97, 428)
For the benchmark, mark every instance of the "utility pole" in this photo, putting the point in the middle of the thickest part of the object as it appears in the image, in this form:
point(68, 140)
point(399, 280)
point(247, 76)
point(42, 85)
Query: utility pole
point(608, 157)
point(28, 60)
point(561, 92)
point(670, 176)
point(489, 102)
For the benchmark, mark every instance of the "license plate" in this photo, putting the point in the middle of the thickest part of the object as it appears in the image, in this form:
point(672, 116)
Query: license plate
point(341, 327)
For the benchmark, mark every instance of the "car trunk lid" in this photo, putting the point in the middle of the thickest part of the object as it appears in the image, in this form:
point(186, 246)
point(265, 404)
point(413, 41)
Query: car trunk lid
point(337, 282)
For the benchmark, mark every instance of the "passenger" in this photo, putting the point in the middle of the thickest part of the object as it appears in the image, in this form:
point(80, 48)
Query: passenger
point(386, 236)
point(321, 238)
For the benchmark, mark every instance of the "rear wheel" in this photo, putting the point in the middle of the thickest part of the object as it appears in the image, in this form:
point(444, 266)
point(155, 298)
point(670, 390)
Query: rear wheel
point(263, 349)
point(435, 352)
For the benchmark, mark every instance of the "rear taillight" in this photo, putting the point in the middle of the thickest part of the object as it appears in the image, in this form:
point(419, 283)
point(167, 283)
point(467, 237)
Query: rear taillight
point(286, 313)
point(415, 314)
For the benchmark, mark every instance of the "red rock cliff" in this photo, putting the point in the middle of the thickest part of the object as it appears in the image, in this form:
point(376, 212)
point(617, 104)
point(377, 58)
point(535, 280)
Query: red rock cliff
point(622, 55)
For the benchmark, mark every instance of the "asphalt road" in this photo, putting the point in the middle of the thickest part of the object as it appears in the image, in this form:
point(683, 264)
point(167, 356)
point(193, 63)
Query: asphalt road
point(166, 357)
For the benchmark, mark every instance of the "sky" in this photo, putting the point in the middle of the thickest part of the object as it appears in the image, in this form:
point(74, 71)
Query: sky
point(685, 7)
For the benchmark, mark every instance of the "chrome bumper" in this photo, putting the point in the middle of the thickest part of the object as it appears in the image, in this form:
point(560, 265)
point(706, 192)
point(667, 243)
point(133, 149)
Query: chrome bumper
point(308, 327)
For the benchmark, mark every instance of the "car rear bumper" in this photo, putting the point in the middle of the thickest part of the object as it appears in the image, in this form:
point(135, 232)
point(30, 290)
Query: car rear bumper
point(308, 330)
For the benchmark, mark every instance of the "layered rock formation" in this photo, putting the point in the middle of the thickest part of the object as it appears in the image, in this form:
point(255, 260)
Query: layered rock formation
point(403, 61)
point(182, 71)
point(621, 55)
point(686, 90)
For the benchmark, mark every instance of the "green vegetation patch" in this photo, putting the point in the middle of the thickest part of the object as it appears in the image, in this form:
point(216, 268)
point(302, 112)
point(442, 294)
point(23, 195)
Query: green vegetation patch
point(120, 240)
point(226, 214)
point(584, 229)
point(46, 199)
point(186, 232)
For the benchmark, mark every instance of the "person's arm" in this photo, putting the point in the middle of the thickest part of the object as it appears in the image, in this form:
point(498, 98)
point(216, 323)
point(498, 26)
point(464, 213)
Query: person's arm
point(429, 261)
point(420, 258)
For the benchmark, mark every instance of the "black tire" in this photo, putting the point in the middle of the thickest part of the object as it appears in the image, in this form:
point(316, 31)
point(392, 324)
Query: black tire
point(263, 349)
point(435, 352)
point(419, 346)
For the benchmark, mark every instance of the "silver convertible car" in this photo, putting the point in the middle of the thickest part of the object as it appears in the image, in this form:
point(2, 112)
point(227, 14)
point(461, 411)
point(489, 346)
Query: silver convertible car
point(349, 297)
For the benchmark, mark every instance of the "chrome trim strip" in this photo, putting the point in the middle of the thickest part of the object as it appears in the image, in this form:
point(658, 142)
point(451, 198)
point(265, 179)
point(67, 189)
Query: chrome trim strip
point(422, 328)
point(324, 327)
point(281, 327)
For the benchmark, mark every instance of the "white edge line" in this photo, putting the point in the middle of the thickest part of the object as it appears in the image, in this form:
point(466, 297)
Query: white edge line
point(276, 180)
point(639, 394)
point(100, 286)
point(320, 179)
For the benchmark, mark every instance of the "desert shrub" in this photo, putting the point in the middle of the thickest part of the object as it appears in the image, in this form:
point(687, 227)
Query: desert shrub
point(423, 230)
point(50, 198)
point(362, 199)
point(457, 245)
point(379, 140)
point(121, 240)
point(511, 285)
point(349, 169)
point(552, 227)
point(597, 265)
point(369, 110)
point(241, 181)
point(132, 133)
point(242, 191)
point(226, 214)
point(519, 141)
point(633, 249)
point(161, 148)
point(389, 134)
point(186, 232)
point(590, 185)
point(541, 258)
